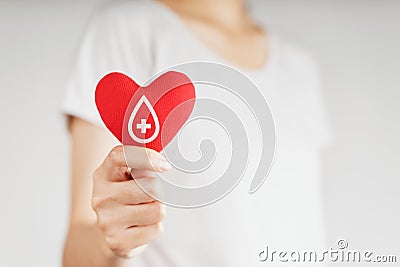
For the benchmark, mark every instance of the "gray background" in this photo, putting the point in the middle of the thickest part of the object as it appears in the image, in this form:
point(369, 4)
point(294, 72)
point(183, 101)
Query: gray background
point(356, 43)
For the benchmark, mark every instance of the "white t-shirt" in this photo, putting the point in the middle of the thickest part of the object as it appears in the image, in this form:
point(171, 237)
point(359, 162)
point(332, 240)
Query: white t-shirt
point(141, 38)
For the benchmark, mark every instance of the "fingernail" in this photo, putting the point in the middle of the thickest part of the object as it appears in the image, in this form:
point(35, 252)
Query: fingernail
point(164, 165)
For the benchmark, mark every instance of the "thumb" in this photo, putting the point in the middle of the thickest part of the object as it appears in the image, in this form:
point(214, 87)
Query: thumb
point(145, 159)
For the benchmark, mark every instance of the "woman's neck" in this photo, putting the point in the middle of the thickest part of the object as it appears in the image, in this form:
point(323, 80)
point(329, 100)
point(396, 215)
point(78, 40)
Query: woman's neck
point(229, 13)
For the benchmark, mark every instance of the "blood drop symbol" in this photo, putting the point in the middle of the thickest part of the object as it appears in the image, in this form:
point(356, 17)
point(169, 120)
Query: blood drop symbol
point(143, 126)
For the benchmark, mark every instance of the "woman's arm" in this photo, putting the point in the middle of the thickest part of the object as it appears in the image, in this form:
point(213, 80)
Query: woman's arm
point(103, 197)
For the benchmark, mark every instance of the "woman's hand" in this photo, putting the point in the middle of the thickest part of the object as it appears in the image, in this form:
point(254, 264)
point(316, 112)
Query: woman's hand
point(128, 218)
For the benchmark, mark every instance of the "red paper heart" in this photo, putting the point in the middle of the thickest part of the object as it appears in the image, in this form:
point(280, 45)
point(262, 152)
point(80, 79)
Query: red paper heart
point(172, 96)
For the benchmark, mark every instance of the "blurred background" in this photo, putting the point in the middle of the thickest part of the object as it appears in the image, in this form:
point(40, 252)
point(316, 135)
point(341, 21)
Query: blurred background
point(356, 43)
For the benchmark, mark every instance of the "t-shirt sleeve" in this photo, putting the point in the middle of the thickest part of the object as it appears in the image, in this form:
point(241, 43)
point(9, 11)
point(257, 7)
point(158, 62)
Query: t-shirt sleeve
point(113, 41)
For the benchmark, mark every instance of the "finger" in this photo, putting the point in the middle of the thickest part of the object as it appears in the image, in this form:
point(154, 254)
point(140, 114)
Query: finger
point(114, 167)
point(130, 193)
point(115, 158)
point(134, 237)
point(125, 217)
point(112, 174)
point(140, 215)
point(145, 159)
point(136, 173)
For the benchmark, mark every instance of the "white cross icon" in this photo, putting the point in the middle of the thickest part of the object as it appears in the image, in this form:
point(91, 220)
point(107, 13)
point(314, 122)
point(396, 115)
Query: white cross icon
point(143, 126)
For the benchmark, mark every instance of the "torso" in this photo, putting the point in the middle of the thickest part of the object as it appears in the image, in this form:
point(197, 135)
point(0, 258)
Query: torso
point(286, 212)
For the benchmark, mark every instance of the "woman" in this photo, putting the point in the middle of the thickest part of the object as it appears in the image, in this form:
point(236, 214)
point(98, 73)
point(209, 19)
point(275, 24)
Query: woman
point(112, 222)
